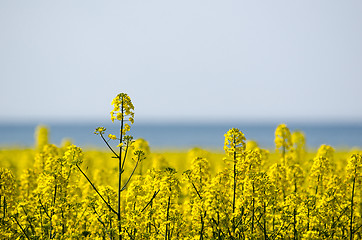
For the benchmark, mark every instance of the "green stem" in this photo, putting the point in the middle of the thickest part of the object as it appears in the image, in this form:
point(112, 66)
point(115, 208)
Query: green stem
point(28, 220)
point(284, 152)
point(234, 191)
point(94, 187)
point(52, 212)
point(351, 218)
point(120, 170)
point(253, 211)
point(0, 200)
point(308, 213)
point(167, 217)
point(22, 229)
point(124, 158)
point(202, 226)
point(109, 146)
point(264, 221)
point(134, 169)
point(295, 223)
point(153, 197)
point(99, 218)
point(4, 207)
point(295, 210)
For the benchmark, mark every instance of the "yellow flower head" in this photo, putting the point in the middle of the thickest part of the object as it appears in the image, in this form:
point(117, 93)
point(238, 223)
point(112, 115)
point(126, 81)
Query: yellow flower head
point(143, 145)
point(326, 151)
point(354, 167)
point(139, 155)
point(99, 130)
point(126, 128)
point(41, 137)
point(111, 136)
point(74, 155)
point(282, 137)
point(298, 139)
point(122, 107)
point(234, 142)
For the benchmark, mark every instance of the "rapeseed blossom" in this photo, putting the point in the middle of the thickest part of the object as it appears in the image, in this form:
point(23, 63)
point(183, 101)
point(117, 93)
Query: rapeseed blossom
point(234, 142)
point(282, 137)
point(111, 136)
point(122, 107)
point(99, 130)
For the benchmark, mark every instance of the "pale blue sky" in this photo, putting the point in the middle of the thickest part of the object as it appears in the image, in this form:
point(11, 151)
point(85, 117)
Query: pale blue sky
point(187, 60)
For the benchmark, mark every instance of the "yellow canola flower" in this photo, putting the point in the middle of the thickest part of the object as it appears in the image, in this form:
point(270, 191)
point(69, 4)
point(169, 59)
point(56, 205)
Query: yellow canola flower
point(354, 167)
point(74, 155)
point(122, 107)
point(326, 151)
point(298, 139)
point(143, 145)
point(123, 111)
point(6, 182)
point(99, 130)
point(234, 142)
point(41, 137)
point(282, 137)
point(111, 136)
point(125, 129)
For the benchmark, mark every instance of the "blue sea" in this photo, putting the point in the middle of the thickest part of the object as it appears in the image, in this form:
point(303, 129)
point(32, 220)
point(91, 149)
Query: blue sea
point(184, 136)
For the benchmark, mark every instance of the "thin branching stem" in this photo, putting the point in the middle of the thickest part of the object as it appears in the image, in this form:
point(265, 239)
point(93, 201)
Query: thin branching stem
point(109, 146)
point(167, 217)
point(41, 204)
point(153, 197)
point(129, 178)
point(253, 210)
point(100, 220)
point(120, 171)
point(94, 187)
point(352, 199)
point(234, 188)
point(124, 157)
point(22, 229)
point(193, 185)
point(198, 193)
point(27, 219)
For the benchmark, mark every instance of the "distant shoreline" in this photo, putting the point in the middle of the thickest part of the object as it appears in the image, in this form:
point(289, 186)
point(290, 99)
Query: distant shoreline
point(185, 136)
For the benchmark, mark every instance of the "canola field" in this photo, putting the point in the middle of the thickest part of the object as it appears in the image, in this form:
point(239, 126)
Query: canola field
point(130, 192)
